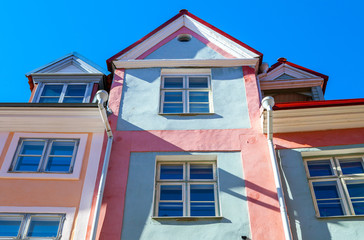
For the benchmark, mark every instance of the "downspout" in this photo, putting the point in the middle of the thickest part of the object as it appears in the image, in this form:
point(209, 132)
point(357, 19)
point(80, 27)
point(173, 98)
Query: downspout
point(268, 103)
point(101, 97)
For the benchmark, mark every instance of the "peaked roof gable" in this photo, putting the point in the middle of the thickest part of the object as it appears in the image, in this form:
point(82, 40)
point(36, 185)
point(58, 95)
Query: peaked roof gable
point(218, 40)
point(72, 63)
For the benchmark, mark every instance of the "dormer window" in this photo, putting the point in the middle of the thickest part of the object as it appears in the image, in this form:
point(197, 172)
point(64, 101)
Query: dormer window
point(64, 93)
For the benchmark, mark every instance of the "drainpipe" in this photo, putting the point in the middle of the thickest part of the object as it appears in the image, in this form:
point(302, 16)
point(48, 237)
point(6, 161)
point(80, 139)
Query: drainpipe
point(268, 103)
point(101, 97)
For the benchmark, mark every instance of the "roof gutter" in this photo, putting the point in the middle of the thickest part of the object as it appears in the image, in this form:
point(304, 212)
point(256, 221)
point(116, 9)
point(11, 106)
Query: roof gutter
point(101, 97)
point(268, 103)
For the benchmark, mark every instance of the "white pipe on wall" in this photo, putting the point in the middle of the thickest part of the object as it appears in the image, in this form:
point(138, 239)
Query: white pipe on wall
point(102, 97)
point(268, 103)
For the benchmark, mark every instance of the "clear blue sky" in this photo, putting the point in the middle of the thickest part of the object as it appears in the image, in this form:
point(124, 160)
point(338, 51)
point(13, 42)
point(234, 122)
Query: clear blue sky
point(325, 36)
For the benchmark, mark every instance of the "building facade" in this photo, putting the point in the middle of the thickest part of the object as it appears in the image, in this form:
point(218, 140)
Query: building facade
point(191, 152)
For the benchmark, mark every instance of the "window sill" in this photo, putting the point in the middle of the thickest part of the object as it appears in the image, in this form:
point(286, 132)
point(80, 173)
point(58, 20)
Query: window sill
point(188, 219)
point(185, 114)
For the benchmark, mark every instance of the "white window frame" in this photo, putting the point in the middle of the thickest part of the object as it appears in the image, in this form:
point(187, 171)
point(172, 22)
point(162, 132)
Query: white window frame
point(86, 98)
point(186, 182)
point(48, 143)
point(185, 92)
point(340, 179)
point(65, 229)
point(12, 149)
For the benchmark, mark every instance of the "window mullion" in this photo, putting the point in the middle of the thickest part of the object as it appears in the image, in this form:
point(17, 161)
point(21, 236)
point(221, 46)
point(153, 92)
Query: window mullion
point(349, 208)
point(63, 93)
point(45, 155)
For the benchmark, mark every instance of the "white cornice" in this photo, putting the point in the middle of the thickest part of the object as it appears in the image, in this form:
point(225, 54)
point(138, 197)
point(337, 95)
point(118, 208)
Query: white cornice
point(284, 68)
point(316, 119)
point(186, 63)
point(41, 119)
point(290, 83)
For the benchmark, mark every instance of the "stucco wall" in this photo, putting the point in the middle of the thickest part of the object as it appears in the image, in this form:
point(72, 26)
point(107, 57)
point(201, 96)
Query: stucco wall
point(138, 223)
point(139, 108)
point(304, 223)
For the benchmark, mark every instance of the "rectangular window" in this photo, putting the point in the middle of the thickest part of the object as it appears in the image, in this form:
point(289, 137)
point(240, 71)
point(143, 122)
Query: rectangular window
point(63, 93)
point(31, 226)
point(186, 189)
point(45, 155)
point(186, 94)
point(337, 185)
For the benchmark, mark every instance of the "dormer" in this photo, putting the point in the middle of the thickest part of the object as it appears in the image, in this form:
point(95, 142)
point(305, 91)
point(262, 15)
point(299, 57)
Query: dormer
point(70, 79)
point(289, 82)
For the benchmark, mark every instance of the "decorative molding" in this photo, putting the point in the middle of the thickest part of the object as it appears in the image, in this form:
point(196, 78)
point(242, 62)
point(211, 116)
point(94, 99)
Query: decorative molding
point(291, 83)
point(186, 63)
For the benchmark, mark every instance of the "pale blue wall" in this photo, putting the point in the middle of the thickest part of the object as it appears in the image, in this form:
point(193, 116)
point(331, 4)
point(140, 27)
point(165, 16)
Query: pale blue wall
point(139, 108)
point(194, 49)
point(138, 224)
point(304, 223)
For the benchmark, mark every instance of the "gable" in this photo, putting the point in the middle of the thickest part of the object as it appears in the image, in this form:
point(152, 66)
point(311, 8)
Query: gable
point(217, 42)
point(284, 76)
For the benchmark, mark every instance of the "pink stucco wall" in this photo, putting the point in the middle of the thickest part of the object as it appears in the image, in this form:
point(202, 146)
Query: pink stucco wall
point(263, 206)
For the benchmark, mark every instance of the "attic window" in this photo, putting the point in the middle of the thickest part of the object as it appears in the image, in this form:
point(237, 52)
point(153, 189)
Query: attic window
point(184, 37)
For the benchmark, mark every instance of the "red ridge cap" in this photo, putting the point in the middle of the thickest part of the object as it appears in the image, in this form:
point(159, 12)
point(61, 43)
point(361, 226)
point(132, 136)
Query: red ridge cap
point(284, 61)
point(181, 12)
point(318, 104)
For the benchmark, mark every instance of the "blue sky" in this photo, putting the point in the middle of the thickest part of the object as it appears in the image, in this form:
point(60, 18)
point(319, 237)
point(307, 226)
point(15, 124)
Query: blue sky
point(325, 36)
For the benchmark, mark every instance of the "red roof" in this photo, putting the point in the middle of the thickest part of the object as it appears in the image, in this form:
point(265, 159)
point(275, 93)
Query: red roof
point(318, 104)
point(181, 12)
point(284, 61)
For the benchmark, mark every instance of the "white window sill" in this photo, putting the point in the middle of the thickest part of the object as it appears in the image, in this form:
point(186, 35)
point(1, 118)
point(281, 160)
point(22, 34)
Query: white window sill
point(189, 218)
point(185, 114)
point(340, 217)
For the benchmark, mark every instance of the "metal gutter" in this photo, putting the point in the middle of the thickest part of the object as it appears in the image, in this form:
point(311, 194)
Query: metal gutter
point(268, 103)
point(102, 97)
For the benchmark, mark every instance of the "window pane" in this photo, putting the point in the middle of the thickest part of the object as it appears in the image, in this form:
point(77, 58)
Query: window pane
point(199, 108)
point(167, 209)
point(9, 226)
point(173, 96)
point(202, 209)
point(43, 227)
point(52, 90)
point(62, 148)
point(320, 168)
point(76, 90)
point(171, 172)
point(325, 190)
point(27, 164)
point(199, 96)
point(351, 166)
point(330, 208)
point(58, 164)
point(32, 148)
point(172, 108)
point(49, 99)
point(171, 192)
point(73, 100)
point(202, 192)
point(356, 190)
point(201, 171)
point(198, 82)
point(173, 82)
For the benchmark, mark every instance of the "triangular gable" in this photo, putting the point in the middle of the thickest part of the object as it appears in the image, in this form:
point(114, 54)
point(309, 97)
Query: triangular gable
point(299, 73)
point(184, 22)
point(72, 63)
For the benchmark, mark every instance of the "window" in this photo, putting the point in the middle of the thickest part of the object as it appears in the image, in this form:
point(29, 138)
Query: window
point(45, 155)
point(186, 94)
point(186, 189)
point(64, 93)
point(31, 226)
point(337, 185)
